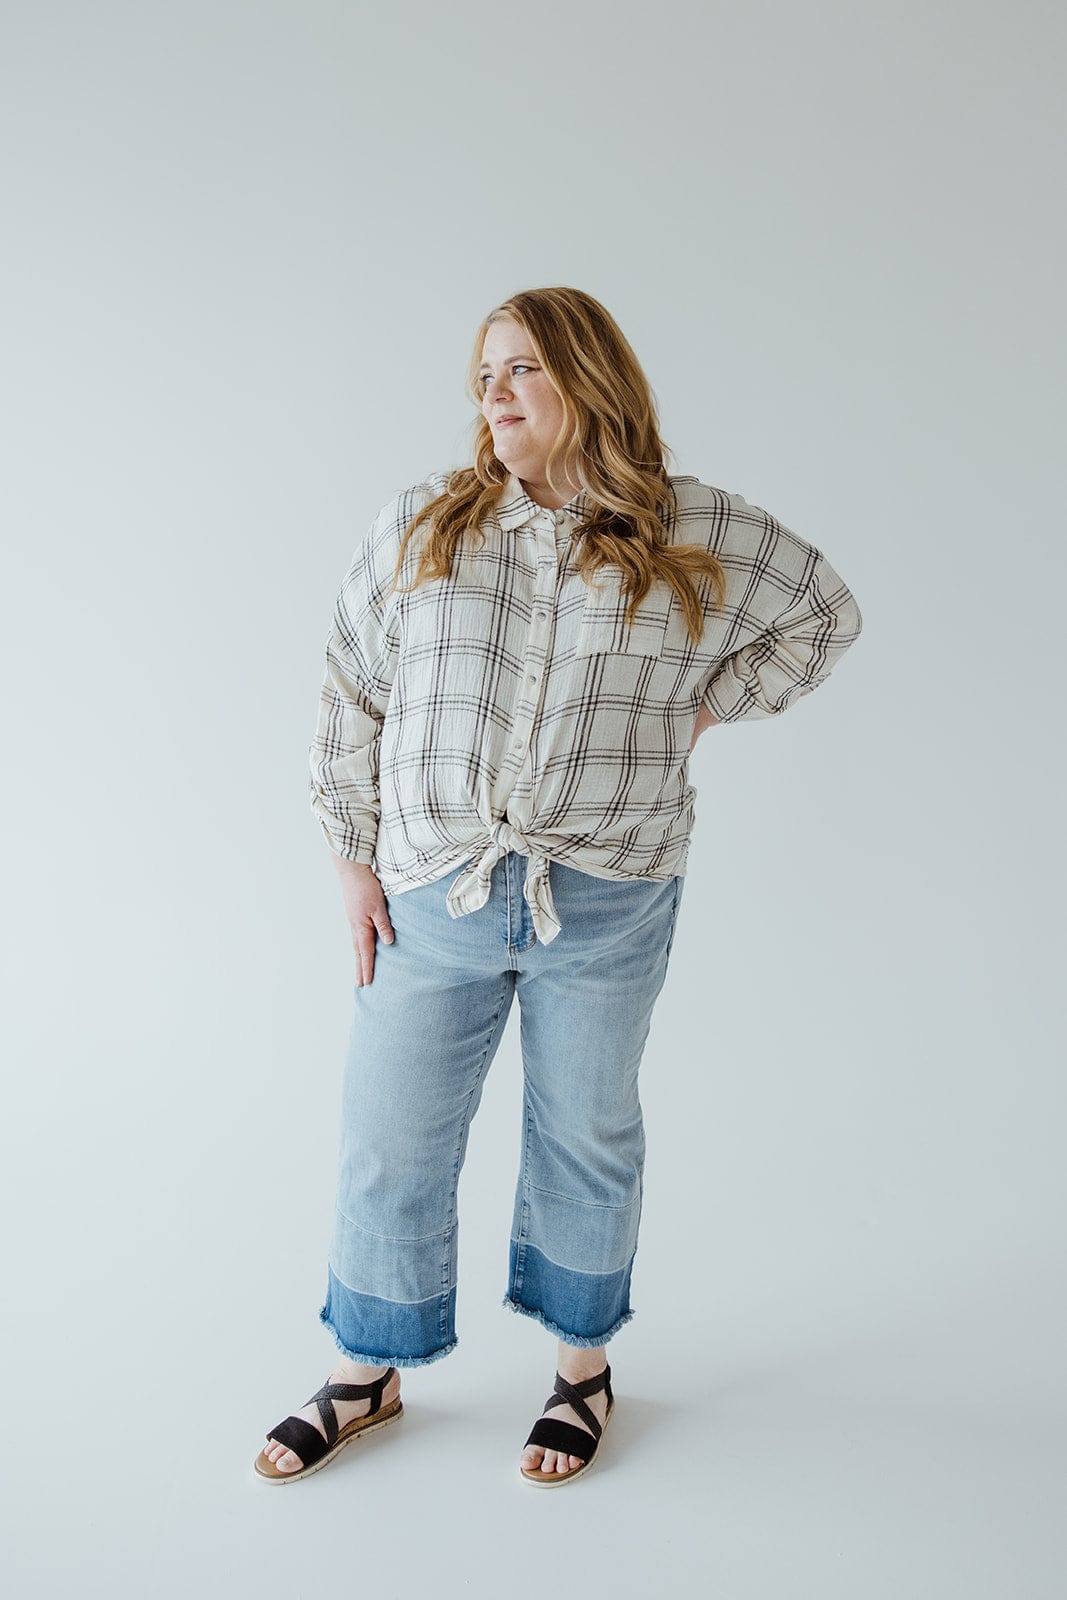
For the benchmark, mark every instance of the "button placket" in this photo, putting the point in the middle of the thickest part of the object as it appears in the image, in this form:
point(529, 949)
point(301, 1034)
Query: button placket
point(537, 648)
point(536, 660)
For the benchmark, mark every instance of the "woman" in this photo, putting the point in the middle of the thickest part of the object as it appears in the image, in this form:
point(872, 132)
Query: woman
point(523, 654)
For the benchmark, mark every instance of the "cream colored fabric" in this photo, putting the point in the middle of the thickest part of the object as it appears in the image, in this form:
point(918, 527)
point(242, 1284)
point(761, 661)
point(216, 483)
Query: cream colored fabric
point(511, 707)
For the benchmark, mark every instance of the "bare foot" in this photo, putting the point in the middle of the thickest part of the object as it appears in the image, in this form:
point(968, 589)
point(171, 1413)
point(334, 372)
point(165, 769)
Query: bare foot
point(345, 1372)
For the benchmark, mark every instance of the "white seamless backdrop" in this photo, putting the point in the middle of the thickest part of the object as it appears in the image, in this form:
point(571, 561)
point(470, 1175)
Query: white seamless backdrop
point(246, 249)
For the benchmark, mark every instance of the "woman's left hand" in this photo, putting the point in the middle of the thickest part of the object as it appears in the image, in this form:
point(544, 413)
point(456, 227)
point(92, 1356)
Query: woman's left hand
point(704, 720)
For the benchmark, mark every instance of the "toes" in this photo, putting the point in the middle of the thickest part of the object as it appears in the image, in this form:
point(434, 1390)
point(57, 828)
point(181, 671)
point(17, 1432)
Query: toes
point(550, 1461)
point(283, 1459)
point(533, 1457)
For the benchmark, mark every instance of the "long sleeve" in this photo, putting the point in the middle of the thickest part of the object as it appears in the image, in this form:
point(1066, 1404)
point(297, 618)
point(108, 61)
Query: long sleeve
point(507, 706)
point(361, 656)
point(803, 617)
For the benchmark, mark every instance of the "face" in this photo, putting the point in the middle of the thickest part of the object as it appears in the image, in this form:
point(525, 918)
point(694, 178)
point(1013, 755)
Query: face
point(514, 385)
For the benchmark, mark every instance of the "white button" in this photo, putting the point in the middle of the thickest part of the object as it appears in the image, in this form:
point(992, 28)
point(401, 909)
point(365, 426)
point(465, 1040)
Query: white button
point(516, 744)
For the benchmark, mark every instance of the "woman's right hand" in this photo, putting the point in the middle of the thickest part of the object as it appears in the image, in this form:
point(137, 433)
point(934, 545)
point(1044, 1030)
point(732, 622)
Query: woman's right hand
point(367, 913)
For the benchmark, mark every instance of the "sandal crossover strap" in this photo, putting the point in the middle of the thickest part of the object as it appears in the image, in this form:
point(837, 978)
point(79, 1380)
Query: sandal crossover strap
point(552, 1434)
point(305, 1440)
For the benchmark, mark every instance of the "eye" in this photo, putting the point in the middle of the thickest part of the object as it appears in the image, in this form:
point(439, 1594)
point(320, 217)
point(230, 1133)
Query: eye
point(519, 366)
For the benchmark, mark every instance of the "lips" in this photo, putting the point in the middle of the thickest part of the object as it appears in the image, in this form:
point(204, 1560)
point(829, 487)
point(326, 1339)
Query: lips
point(500, 421)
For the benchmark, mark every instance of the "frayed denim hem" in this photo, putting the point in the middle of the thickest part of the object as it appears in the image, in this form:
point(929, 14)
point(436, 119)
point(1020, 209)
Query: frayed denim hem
point(568, 1338)
point(364, 1360)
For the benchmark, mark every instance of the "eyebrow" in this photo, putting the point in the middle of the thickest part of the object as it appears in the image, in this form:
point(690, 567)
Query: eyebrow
point(508, 361)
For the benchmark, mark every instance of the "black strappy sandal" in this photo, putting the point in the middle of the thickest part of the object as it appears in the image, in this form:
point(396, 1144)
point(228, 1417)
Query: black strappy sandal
point(552, 1434)
point(307, 1442)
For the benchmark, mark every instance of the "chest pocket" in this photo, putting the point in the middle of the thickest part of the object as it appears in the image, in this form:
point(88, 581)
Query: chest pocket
point(602, 624)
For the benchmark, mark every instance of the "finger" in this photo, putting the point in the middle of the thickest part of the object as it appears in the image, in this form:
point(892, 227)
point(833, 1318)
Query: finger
point(360, 953)
point(365, 953)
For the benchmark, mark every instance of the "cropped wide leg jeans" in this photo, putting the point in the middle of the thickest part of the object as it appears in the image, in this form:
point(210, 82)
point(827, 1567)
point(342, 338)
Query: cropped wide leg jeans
point(424, 1033)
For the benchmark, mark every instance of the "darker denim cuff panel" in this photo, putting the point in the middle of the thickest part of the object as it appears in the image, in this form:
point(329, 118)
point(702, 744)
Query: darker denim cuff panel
point(581, 1308)
point(377, 1332)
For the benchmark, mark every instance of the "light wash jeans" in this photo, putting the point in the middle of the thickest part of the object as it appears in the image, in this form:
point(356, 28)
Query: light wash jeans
point(424, 1033)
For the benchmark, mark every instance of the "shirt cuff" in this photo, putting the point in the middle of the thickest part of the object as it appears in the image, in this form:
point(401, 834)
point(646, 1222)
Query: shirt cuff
point(730, 699)
point(740, 693)
point(355, 844)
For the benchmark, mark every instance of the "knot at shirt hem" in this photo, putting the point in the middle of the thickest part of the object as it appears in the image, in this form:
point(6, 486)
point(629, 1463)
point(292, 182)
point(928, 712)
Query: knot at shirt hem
point(471, 889)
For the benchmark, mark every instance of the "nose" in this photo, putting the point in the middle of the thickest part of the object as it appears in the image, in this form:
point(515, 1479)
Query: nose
point(494, 387)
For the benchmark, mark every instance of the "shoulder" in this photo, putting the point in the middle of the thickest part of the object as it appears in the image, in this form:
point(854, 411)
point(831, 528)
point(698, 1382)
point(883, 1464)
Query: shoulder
point(406, 503)
point(696, 498)
point(724, 520)
point(381, 542)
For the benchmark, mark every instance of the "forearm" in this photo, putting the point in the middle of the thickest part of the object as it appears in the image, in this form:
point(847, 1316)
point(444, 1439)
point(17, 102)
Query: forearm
point(350, 871)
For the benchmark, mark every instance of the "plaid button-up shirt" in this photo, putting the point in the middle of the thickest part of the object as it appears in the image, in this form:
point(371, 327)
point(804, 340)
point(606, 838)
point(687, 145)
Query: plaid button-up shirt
point(510, 707)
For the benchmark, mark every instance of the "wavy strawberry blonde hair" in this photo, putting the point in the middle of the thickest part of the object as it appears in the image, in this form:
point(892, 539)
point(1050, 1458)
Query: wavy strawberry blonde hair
point(608, 442)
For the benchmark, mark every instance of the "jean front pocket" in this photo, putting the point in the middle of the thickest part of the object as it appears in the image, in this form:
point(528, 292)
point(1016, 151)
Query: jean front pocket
point(602, 625)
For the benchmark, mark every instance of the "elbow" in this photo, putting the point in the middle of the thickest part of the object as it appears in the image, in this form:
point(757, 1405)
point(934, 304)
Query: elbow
point(849, 620)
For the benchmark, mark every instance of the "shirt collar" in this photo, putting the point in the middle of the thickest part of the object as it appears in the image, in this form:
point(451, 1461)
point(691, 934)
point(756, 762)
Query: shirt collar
point(517, 506)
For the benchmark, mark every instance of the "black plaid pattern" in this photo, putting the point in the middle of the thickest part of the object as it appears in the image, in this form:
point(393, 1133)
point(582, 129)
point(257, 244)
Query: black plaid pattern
point(511, 705)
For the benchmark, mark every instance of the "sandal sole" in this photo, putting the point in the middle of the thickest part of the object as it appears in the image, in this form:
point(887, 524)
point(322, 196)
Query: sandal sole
point(358, 1428)
point(550, 1480)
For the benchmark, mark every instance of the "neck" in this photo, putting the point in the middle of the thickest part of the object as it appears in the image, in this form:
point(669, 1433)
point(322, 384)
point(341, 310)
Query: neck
point(546, 496)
